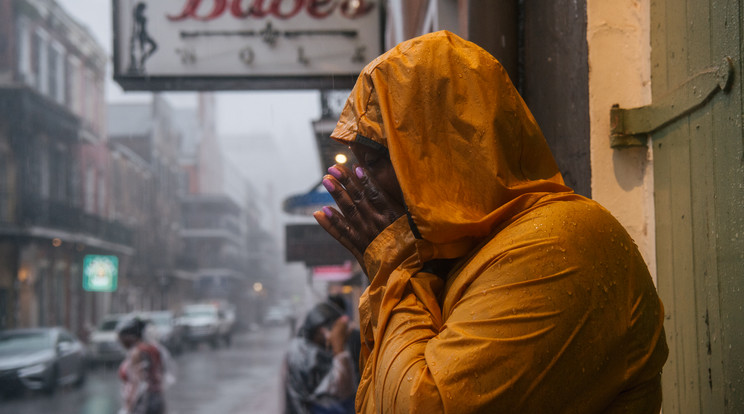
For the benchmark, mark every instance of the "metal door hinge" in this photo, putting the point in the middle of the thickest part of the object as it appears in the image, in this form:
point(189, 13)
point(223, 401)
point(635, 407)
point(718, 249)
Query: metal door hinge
point(630, 127)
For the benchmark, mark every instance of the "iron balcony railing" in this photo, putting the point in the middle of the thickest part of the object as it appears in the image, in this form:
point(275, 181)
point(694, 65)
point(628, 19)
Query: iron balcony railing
point(55, 215)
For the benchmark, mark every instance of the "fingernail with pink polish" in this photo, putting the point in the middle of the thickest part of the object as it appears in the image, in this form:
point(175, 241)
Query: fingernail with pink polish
point(359, 172)
point(335, 172)
point(327, 211)
point(328, 185)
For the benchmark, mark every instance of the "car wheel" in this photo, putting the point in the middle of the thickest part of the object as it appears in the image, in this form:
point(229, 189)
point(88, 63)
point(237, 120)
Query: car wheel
point(82, 375)
point(51, 385)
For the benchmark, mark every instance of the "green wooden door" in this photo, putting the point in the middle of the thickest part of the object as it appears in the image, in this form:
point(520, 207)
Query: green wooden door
point(699, 196)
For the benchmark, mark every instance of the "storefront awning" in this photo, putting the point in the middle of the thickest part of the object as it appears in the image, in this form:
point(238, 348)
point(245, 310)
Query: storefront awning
point(306, 204)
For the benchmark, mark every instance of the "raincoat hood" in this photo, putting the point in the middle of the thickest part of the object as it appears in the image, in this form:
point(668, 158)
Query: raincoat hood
point(449, 116)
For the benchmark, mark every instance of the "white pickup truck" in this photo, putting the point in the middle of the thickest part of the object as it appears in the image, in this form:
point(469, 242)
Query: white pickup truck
point(207, 322)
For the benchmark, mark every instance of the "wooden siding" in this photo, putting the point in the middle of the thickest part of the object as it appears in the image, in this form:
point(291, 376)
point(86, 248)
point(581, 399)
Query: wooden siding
point(699, 196)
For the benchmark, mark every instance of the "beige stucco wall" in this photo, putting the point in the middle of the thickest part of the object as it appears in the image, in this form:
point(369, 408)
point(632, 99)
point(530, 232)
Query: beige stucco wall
point(620, 73)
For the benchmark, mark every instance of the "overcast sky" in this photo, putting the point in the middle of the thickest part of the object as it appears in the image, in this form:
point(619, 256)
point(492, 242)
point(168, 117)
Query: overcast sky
point(286, 116)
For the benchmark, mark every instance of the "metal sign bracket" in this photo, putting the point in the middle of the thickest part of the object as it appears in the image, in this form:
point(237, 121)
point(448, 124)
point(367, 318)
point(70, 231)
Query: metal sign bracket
point(631, 127)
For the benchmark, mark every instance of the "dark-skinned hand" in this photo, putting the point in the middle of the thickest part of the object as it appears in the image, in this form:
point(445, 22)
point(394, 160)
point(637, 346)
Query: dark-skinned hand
point(365, 210)
point(338, 335)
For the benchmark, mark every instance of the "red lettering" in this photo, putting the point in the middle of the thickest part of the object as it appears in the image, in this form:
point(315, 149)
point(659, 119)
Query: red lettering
point(191, 8)
point(219, 8)
point(256, 9)
point(276, 9)
point(318, 9)
point(355, 8)
point(236, 11)
point(313, 8)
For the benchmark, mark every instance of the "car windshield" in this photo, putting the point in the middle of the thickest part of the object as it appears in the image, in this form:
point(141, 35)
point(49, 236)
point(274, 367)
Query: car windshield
point(161, 320)
point(200, 312)
point(11, 343)
point(109, 325)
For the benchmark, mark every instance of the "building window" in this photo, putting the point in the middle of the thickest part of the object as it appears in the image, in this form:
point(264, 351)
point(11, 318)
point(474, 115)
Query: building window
point(116, 186)
point(73, 84)
point(98, 108)
point(59, 169)
point(44, 175)
point(90, 188)
point(40, 64)
point(101, 196)
point(75, 191)
point(52, 59)
point(56, 72)
point(24, 52)
point(4, 189)
point(88, 97)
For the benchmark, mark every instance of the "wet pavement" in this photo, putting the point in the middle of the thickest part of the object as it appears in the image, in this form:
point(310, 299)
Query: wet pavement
point(244, 378)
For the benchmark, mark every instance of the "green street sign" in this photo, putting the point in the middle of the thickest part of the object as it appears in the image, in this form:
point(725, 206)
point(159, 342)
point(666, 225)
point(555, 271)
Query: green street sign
point(100, 273)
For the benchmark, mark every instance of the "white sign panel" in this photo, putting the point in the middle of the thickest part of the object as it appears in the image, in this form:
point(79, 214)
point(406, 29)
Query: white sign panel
point(243, 44)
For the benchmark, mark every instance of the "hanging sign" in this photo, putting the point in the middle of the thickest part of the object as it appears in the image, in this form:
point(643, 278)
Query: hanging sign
point(100, 273)
point(333, 273)
point(244, 44)
point(310, 244)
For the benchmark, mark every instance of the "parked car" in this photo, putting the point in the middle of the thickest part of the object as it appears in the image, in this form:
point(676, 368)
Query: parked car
point(206, 322)
point(40, 359)
point(163, 328)
point(104, 341)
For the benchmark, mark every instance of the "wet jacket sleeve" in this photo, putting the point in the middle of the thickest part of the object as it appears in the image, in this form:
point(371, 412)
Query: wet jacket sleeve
point(339, 382)
point(549, 316)
point(395, 335)
point(137, 367)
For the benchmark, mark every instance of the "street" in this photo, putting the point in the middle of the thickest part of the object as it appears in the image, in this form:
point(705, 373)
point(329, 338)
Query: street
point(244, 378)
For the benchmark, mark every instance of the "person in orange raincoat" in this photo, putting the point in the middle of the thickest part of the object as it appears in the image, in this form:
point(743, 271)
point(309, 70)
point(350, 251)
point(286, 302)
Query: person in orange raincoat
point(493, 287)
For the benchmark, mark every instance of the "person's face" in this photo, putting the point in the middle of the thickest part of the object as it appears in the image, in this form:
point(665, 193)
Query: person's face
point(377, 165)
point(127, 340)
point(321, 336)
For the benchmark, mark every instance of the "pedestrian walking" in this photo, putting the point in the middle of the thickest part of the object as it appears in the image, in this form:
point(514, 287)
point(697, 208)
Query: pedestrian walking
point(142, 372)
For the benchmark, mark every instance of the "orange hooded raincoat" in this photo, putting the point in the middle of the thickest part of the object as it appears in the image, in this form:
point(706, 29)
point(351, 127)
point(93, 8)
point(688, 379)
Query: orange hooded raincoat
point(550, 307)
